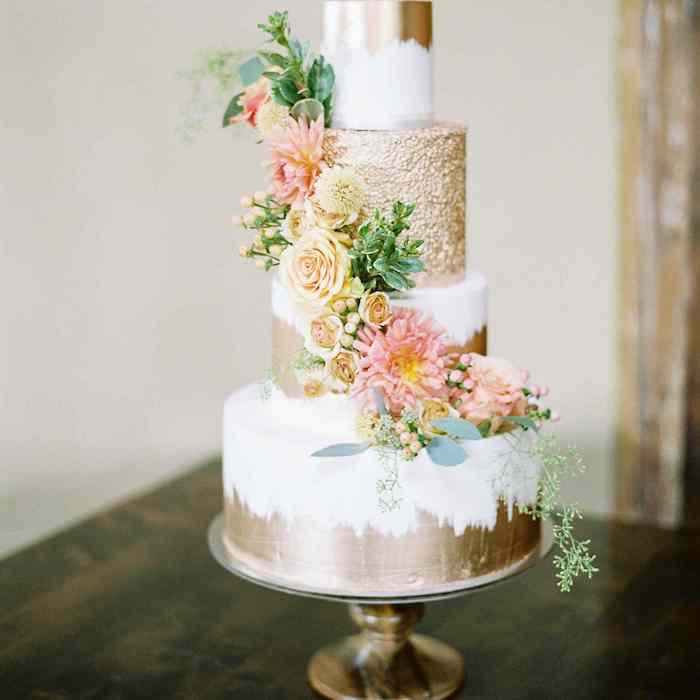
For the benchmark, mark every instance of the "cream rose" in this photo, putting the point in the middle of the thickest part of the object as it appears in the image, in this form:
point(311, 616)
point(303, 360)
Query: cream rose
point(323, 335)
point(343, 368)
point(314, 269)
point(375, 308)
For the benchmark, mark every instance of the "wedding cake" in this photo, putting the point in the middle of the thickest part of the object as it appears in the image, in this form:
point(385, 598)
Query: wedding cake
point(387, 454)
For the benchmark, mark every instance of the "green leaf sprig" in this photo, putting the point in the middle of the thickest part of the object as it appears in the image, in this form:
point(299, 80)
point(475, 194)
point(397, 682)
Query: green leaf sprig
point(296, 73)
point(382, 262)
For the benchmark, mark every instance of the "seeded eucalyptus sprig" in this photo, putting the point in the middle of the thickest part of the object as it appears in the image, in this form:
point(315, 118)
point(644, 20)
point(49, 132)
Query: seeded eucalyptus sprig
point(382, 263)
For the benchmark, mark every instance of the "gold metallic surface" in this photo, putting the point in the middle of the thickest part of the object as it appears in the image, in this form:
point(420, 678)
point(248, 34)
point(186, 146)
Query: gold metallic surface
point(374, 25)
point(431, 557)
point(386, 660)
point(425, 166)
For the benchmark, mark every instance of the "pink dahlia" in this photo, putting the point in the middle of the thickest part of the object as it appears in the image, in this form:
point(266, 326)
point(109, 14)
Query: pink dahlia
point(297, 159)
point(406, 363)
point(251, 100)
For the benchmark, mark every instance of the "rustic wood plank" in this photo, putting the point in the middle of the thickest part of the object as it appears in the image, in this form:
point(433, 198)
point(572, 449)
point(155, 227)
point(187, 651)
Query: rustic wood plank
point(692, 480)
point(655, 100)
point(131, 606)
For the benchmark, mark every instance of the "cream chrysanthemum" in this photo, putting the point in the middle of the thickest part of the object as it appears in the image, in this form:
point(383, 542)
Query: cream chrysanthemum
point(270, 115)
point(340, 191)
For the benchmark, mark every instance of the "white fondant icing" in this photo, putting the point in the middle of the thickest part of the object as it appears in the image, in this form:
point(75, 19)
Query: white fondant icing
point(389, 89)
point(267, 459)
point(461, 309)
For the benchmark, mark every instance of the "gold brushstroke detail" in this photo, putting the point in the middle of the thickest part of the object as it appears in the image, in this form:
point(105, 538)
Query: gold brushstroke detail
point(374, 25)
point(302, 552)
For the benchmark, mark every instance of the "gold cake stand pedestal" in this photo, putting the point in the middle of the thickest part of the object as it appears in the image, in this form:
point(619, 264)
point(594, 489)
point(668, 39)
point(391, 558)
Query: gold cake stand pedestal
point(385, 660)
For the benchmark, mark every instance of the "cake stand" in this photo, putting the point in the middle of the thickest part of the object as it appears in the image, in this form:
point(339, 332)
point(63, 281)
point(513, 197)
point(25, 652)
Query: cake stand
point(386, 660)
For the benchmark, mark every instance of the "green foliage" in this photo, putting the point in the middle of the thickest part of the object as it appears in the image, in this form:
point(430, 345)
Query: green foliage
point(299, 74)
point(574, 558)
point(382, 262)
point(251, 70)
point(445, 452)
point(233, 109)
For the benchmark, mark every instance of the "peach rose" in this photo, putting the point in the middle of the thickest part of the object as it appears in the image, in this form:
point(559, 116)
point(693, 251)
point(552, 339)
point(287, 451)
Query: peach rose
point(343, 368)
point(375, 309)
point(313, 388)
point(323, 335)
point(498, 391)
point(253, 97)
point(314, 269)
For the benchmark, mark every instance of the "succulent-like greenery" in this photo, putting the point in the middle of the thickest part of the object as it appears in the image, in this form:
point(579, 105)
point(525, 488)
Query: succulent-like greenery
point(299, 78)
point(382, 262)
point(574, 558)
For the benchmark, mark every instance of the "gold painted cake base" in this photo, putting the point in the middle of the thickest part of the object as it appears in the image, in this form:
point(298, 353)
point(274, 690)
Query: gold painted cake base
point(385, 661)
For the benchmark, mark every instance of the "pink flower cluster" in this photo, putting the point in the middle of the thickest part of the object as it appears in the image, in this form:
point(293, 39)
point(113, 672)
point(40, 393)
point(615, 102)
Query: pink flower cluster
point(406, 363)
point(490, 389)
point(253, 97)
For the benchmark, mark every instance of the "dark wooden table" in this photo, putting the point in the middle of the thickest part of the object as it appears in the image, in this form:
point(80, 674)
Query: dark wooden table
point(131, 605)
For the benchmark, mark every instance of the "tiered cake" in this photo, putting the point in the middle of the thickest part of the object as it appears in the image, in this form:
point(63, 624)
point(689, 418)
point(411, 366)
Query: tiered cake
point(372, 522)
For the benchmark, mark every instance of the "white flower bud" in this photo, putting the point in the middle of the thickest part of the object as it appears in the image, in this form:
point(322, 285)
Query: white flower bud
point(354, 318)
point(350, 328)
point(346, 340)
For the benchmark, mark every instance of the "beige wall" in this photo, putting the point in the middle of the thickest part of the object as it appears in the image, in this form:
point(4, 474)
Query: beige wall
point(126, 317)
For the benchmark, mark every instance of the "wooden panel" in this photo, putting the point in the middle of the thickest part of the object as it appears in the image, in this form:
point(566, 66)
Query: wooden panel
point(654, 78)
point(692, 474)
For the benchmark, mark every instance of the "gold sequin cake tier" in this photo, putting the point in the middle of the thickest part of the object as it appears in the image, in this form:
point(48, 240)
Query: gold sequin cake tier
point(423, 166)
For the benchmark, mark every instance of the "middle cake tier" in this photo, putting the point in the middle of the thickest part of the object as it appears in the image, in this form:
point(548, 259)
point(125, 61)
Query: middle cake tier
point(461, 309)
point(426, 167)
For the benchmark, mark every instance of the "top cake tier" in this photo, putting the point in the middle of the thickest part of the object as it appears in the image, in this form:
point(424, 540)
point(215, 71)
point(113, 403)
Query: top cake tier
point(381, 51)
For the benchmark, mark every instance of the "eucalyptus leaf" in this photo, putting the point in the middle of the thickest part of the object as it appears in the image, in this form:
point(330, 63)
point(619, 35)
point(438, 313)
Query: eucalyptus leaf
point(309, 108)
point(233, 109)
point(379, 402)
point(343, 449)
point(459, 428)
point(523, 421)
point(251, 70)
point(445, 452)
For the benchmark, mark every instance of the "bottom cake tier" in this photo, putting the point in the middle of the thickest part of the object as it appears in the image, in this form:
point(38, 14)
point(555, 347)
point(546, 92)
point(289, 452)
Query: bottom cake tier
point(368, 525)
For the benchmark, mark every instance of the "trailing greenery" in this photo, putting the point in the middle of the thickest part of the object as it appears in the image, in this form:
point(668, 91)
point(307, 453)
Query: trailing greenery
point(213, 78)
point(268, 220)
point(574, 558)
point(378, 259)
point(296, 73)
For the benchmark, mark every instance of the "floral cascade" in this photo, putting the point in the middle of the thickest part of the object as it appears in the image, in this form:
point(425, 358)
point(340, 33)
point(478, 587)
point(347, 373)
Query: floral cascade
point(345, 270)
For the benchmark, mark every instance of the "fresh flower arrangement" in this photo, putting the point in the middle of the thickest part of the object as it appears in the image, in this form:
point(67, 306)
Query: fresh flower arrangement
point(345, 270)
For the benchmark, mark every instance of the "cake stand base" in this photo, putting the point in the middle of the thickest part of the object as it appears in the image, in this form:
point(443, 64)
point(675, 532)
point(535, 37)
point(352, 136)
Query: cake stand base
point(385, 660)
